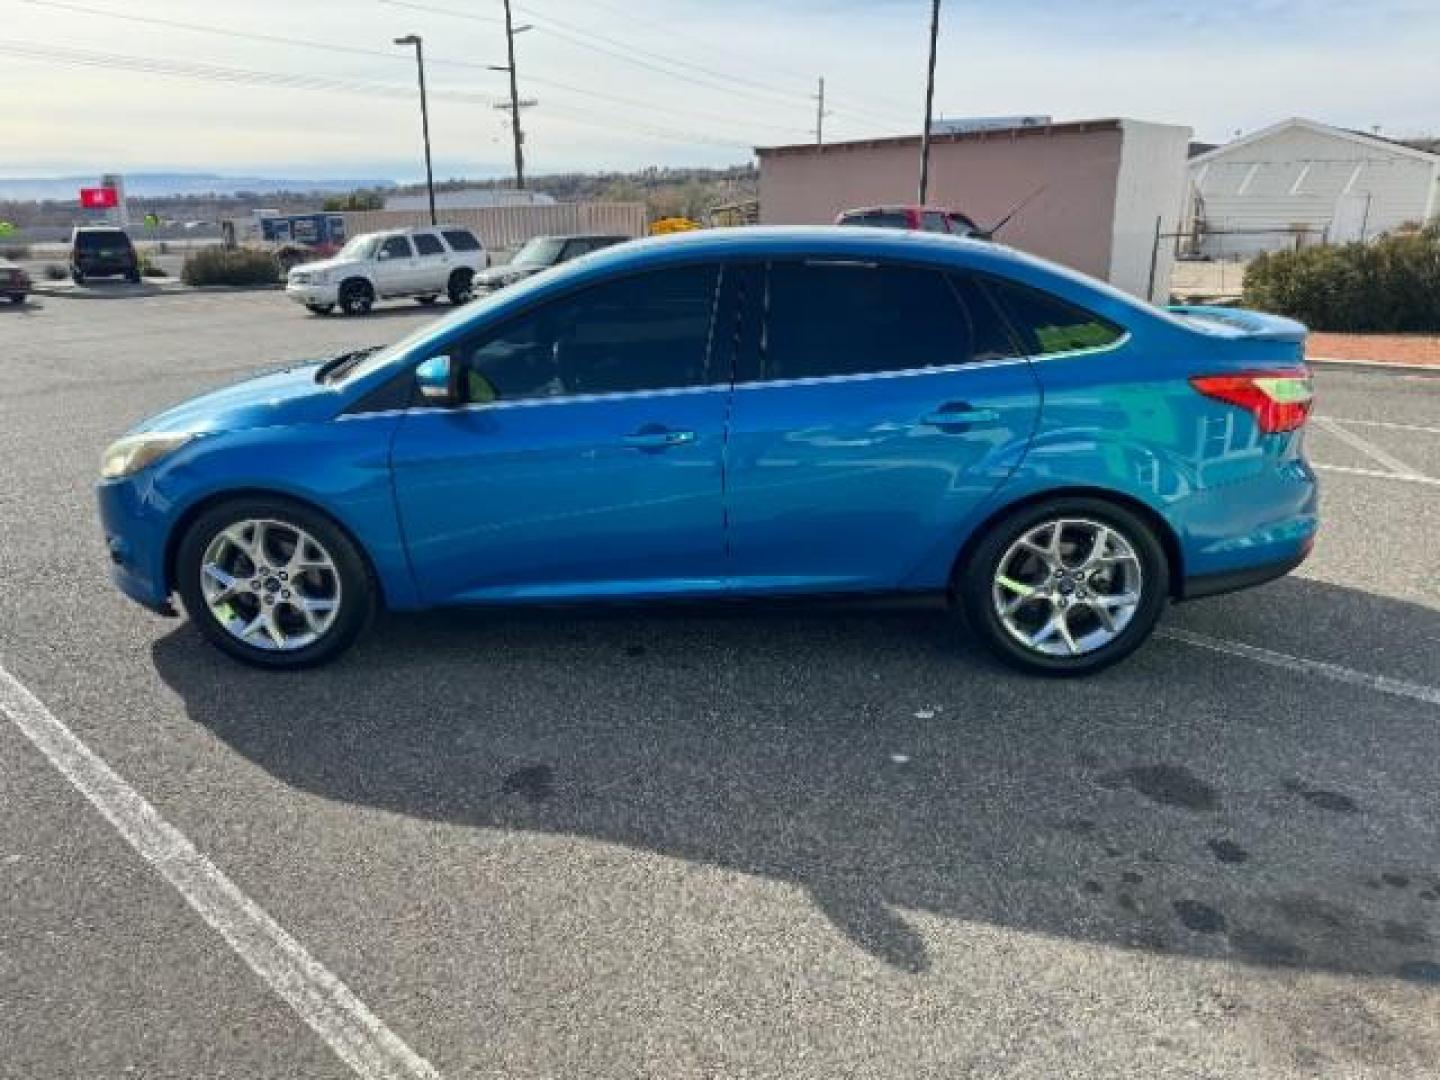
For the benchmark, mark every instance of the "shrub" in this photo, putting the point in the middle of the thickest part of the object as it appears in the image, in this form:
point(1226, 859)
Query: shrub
point(1391, 285)
point(14, 251)
point(241, 266)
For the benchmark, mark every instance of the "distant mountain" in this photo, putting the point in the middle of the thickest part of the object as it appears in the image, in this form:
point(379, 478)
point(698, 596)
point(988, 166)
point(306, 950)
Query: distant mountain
point(162, 185)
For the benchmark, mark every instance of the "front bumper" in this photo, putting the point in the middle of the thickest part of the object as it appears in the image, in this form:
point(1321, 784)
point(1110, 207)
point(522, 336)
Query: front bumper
point(312, 294)
point(135, 539)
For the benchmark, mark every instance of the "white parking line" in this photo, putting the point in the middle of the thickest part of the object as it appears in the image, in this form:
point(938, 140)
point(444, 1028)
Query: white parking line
point(1389, 426)
point(1383, 684)
point(1366, 447)
point(1376, 474)
point(353, 1032)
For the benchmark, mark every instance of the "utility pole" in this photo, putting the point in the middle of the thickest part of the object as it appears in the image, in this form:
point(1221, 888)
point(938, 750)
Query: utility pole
point(820, 115)
point(414, 39)
point(510, 33)
point(929, 102)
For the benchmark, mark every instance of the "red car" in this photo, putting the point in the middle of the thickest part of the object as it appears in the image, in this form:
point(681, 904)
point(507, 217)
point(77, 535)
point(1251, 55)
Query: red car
point(14, 282)
point(920, 218)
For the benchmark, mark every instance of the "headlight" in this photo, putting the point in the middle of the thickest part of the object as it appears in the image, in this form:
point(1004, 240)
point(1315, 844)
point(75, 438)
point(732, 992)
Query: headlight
point(135, 452)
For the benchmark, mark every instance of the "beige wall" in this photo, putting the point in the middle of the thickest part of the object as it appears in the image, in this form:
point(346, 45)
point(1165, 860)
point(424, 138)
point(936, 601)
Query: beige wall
point(510, 226)
point(1070, 222)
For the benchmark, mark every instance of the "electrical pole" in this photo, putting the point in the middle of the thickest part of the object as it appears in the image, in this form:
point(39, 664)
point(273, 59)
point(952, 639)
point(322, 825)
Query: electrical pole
point(820, 116)
point(515, 102)
point(929, 102)
point(414, 39)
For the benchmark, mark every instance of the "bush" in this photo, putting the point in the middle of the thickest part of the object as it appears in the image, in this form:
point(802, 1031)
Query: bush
point(14, 251)
point(242, 266)
point(1389, 286)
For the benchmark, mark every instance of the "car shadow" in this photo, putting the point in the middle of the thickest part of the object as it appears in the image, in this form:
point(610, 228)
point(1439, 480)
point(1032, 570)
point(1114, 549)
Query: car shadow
point(1182, 802)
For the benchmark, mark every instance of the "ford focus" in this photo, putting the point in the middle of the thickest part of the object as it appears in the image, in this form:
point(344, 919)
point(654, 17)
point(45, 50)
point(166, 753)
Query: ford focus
point(741, 413)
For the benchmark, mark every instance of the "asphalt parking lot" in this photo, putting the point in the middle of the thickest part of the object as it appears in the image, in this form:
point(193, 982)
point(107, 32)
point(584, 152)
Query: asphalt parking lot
point(777, 842)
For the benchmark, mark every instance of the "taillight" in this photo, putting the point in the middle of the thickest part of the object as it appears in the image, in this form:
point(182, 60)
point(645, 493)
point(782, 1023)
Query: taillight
point(1279, 400)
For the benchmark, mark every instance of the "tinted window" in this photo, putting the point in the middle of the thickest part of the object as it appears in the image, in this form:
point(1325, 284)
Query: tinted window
point(461, 239)
point(827, 319)
point(428, 244)
point(879, 219)
point(397, 247)
point(934, 221)
point(988, 338)
point(644, 332)
point(1053, 325)
point(93, 241)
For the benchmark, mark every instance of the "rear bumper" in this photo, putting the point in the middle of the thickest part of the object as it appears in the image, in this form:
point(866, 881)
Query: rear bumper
point(1194, 588)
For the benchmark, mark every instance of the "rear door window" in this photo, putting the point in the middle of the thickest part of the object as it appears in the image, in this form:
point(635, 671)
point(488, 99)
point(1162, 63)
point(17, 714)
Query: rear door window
point(934, 221)
point(833, 319)
point(1051, 325)
point(429, 244)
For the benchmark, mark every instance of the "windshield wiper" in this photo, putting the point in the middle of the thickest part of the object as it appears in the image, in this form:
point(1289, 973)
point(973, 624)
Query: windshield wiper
point(333, 369)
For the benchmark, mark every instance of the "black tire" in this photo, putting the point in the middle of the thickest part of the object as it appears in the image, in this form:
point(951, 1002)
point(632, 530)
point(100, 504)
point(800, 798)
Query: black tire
point(975, 581)
point(356, 585)
point(426, 301)
point(320, 309)
point(458, 288)
point(357, 297)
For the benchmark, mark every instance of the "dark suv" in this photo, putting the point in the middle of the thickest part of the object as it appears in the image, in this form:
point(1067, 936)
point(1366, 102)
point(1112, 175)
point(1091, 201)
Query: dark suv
point(102, 251)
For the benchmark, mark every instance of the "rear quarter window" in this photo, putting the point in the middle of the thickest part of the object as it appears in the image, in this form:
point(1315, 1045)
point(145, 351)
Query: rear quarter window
point(1050, 325)
point(461, 240)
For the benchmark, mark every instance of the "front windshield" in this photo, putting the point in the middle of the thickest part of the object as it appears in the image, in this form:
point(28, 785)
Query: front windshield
point(541, 251)
point(361, 247)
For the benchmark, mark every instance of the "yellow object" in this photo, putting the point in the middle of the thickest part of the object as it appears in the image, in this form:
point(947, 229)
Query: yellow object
point(673, 225)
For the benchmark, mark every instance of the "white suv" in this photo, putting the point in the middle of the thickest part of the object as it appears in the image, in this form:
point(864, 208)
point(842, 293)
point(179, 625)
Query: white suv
point(419, 263)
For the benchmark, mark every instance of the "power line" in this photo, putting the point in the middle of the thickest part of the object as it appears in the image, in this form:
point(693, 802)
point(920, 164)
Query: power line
point(359, 50)
point(218, 73)
point(667, 58)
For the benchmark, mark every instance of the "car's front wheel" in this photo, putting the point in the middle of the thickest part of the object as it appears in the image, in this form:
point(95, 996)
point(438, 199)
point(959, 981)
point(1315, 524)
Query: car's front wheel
point(1066, 587)
point(274, 583)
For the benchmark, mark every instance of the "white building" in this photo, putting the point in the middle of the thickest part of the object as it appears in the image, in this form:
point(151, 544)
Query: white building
point(1300, 182)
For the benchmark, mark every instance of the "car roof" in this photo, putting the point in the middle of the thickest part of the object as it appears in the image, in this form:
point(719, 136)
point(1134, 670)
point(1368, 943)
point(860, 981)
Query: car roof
point(891, 207)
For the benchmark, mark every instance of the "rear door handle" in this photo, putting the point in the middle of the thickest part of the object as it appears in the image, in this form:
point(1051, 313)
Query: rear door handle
point(658, 438)
point(956, 415)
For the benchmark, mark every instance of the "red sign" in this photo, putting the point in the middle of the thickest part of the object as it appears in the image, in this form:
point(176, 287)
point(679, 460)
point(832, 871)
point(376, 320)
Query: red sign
point(98, 198)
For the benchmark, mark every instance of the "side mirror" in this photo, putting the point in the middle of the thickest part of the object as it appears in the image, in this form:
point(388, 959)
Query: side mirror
point(437, 379)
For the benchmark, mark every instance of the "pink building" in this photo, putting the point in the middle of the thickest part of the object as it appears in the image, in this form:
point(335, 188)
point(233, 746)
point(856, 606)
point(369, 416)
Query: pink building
point(1103, 185)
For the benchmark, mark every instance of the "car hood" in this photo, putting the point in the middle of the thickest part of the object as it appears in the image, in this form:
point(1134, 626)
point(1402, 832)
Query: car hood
point(321, 265)
point(290, 395)
point(505, 275)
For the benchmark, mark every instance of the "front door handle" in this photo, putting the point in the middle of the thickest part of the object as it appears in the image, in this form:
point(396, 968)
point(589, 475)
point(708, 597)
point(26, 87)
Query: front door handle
point(658, 438)
point(960, 415)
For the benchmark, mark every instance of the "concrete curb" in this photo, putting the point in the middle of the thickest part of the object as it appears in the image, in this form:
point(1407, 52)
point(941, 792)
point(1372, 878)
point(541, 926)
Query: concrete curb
point(1374, 365)
point(143, 294)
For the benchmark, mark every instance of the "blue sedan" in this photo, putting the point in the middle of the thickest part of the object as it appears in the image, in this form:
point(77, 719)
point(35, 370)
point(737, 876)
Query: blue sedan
point(741, 413)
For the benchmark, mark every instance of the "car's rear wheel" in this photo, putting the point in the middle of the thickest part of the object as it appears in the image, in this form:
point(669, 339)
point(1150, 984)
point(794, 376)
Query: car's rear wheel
point(356, 297)
point(459, 286)
point(274, 583)
point(1066, 587)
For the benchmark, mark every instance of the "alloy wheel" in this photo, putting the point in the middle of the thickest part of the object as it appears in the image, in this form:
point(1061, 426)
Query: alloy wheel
point(270, 585)
point(1067, 587)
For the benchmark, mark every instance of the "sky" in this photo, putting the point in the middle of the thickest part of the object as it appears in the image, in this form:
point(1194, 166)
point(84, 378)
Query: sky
point(623, 84)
